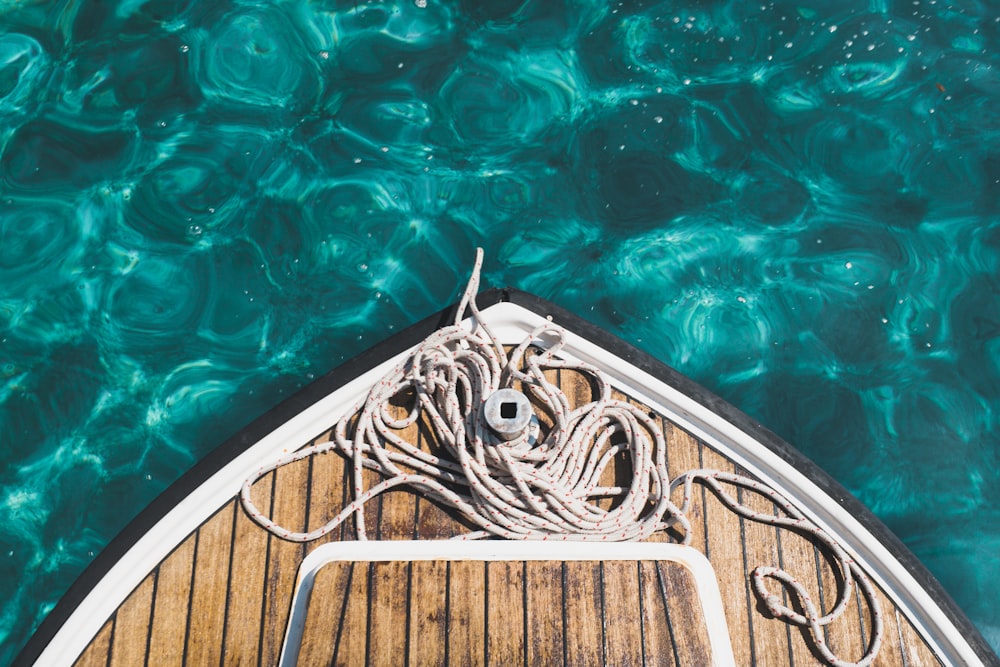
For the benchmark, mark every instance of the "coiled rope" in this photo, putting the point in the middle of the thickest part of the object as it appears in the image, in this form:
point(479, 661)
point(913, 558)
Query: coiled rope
point(522, 489)
point(540, 489)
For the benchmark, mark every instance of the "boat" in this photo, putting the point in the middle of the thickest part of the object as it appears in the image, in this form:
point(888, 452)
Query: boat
point(506, 483)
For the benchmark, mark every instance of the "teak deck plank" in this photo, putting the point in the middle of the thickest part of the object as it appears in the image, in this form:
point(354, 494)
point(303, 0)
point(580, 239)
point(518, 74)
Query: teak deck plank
point(466, 613)
point(323, 631)
point(131, 630)
point(545, 638)
point(657, 647)
point(724, 548)
point(352, 632)
point(228, 586)
point(207, 614)
point(683, 454)
point(387, 626)
point(283, 557)
point(173, 591)
point(688, 623)
point(623, 636)
point(584, 628)
point(505, 613)
point(428, 604)
point(244, 604)
point(326, 493)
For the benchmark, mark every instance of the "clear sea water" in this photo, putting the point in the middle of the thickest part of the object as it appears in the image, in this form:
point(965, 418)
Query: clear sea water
point(206, 204)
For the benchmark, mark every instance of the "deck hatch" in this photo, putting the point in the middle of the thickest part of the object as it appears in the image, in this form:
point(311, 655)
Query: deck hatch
point(704, 626)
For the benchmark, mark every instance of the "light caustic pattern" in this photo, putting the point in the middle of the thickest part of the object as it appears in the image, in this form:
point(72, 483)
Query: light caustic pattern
point(203, 205)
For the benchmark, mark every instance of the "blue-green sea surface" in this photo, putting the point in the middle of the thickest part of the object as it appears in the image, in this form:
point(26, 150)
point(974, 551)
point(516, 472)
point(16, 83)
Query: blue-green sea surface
point(206, 204)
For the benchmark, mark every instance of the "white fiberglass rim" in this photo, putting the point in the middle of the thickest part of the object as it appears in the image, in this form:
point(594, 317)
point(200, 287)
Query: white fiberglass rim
point(511, 323)
point(706, 584)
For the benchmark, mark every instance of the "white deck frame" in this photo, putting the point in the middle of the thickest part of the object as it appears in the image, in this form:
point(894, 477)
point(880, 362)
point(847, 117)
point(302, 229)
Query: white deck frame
point(706, 584)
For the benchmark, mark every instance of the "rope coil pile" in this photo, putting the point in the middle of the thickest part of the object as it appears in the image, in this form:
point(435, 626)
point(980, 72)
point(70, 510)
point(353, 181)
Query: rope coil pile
point(541, 486)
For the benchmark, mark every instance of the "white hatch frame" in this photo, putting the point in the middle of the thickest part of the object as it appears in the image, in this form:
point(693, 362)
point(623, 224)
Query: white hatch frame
point(706, 584)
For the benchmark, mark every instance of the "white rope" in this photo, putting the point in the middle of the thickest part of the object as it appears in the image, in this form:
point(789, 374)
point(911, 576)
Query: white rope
point(794, 520)
point(531, 489)
point(519, 489)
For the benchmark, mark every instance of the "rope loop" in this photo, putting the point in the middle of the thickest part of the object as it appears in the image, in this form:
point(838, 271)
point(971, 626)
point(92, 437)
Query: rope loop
point(794, 520)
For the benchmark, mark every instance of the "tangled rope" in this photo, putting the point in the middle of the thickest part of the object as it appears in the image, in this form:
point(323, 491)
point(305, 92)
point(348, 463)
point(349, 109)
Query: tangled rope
point(540, 486)
point(525, 488)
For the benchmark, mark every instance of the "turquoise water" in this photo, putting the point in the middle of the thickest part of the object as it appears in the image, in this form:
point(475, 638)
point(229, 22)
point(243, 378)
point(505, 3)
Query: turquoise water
point(204, 205)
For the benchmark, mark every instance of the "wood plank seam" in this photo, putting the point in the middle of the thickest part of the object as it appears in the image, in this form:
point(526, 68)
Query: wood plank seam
point(267, 573)
point(152, 611)
point(784, 593)
point(190, 604)
point(749, 593)
point(232, 552)
point(861, 618)
point(343, 612)
point(368, 617)
point(447, 612)
point(642, 614)
point(486, 614)
point(524, 611)
point(704, 499)
point(666, 613)
point(111, 639)
point(604, 616)
point(565, 614)
point(409, 606)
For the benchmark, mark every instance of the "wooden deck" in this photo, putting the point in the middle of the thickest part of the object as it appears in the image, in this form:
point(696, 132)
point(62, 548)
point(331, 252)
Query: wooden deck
point(471, 612)
point(222, 597)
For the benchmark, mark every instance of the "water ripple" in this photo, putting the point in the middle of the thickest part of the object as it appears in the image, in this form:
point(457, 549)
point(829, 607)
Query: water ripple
point(24, 66)
point(46, 156)
point(203, 205)
point(36, 236)
point(156, 304)
point(199, 187)
point(490, 100)
point(256, 57)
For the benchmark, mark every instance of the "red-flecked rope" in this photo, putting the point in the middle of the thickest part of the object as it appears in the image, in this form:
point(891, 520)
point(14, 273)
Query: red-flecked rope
point(524, 489)
point(530, 489)
point(795, 521)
